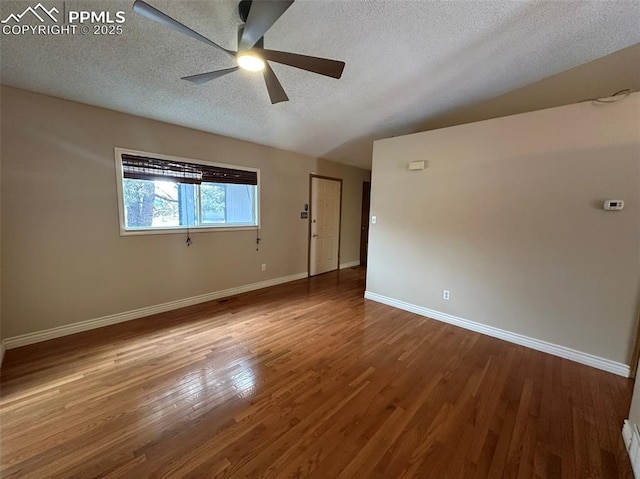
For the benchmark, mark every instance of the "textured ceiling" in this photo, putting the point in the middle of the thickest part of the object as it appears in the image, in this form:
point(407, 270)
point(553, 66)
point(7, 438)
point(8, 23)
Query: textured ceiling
point(406, 62)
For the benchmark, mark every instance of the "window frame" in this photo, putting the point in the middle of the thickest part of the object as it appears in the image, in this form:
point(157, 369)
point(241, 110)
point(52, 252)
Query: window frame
point(118, 151)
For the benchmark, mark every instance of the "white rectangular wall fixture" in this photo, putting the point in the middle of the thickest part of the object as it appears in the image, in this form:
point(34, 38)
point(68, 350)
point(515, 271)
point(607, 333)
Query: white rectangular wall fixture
point(416, 165)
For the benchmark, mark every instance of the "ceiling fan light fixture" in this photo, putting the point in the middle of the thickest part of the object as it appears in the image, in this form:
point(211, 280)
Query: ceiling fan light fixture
point(250, 61)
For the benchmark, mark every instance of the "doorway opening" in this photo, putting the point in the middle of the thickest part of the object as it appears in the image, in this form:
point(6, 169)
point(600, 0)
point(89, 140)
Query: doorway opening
point(364, 222)
point(324, 224)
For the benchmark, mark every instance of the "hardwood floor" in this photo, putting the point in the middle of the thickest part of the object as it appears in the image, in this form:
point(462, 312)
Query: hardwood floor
point(305, 379)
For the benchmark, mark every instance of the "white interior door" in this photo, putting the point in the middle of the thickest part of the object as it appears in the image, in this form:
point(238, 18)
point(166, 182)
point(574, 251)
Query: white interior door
point(325, 225)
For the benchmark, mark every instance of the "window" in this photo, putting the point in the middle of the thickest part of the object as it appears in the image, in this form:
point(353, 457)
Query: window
point(159, 193)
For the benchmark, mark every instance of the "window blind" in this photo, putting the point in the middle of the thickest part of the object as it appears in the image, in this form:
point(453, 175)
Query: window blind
point(146, 168)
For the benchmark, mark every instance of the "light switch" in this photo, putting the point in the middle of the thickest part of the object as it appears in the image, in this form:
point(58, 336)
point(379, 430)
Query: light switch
point(373, 220)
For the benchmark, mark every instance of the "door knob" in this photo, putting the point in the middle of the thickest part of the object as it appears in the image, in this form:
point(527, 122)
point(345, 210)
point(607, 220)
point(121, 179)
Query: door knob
point(315, 236)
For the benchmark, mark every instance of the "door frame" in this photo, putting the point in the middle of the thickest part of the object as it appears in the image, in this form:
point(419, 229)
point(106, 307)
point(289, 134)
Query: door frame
point(364, 221)
point(311, 177)
point(635, 353)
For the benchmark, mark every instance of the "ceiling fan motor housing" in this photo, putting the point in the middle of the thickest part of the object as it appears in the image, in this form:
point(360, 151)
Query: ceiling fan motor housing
point(243, 9)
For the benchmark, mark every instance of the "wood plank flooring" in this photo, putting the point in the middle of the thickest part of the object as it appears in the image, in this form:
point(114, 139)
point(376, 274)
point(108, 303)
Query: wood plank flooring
point(305, 379)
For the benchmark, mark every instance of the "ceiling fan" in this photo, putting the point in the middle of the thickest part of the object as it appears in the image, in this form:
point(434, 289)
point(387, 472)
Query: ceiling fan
point(258, 16)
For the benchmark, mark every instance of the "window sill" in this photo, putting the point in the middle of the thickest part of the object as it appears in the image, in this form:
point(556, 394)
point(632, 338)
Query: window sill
point(194, 229)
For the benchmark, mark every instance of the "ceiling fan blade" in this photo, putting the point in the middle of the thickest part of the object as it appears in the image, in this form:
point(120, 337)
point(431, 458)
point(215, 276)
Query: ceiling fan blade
point(322, 66)
point(201, 78)
point(276, 92)
point(262, 15)
point(142, 8)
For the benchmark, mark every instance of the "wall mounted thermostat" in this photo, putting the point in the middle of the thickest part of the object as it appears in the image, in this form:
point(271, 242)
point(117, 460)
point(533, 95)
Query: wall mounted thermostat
point(613, 205)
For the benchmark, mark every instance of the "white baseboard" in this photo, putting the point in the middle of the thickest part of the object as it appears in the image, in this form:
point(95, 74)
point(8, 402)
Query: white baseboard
point(350, 264)
point(631, 437)
point(31, 338)
point(537, 344)
point(3, 348)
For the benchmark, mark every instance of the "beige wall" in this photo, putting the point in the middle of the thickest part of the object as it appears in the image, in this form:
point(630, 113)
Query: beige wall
point(508, 217)
point(63, 260)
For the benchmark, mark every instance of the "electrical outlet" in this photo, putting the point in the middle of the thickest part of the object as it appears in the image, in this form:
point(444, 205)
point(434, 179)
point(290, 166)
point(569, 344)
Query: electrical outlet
point(446, 295)
point(264, 267)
